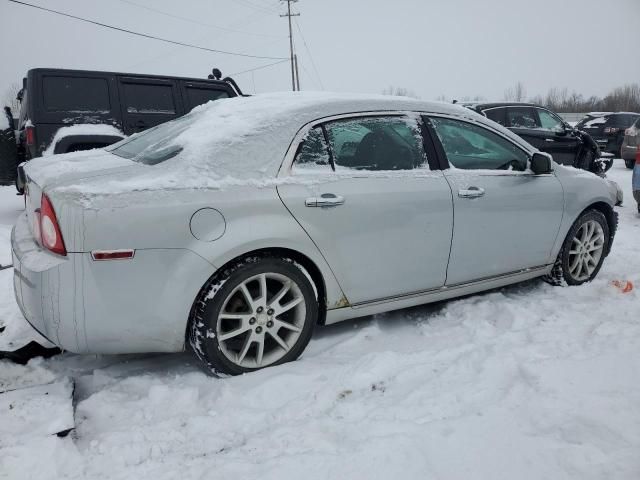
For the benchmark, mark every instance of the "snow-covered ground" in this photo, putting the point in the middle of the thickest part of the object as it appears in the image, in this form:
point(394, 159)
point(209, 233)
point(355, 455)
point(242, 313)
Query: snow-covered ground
point(529, 382)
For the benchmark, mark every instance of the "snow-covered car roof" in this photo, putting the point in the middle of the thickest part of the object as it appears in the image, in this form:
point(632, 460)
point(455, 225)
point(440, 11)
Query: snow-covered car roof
point(233, 140)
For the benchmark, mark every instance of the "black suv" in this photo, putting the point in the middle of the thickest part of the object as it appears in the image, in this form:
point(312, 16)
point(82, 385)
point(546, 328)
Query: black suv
point(127, 102)
point(546, 131)
point(607, 129)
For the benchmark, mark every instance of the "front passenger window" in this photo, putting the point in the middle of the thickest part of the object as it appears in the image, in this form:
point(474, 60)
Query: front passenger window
point(471, 147)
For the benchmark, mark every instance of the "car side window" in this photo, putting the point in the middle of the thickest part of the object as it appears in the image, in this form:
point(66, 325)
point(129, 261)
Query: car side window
point(522, 117)
point(376, 143)
point(149, 98)
point(313, 153)
point(497, 115)
point(548, 121)
point(471, 147)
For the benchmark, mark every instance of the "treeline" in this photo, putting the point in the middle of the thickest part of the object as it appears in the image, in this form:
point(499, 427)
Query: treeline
point(620, 99)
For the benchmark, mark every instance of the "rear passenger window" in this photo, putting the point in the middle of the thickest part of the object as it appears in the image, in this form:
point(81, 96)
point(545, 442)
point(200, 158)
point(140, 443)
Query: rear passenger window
point(497, 115)
point(522, 117)
point(199, 96)
point(149, 98)
point(313, 153)
point(376, 143)
point(75, 94)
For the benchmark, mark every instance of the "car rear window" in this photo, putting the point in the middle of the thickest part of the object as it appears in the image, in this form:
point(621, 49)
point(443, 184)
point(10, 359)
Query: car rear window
point(75, 94)
point(155, 145)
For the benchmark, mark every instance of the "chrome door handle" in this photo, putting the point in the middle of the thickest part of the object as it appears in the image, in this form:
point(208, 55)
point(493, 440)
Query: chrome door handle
point(549, 140)
point(471, 192)
point(325, 200)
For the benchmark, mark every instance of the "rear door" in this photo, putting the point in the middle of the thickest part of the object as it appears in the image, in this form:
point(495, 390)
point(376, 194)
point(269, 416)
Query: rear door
point(368, 199)
point(199, 93)
point(147, 102)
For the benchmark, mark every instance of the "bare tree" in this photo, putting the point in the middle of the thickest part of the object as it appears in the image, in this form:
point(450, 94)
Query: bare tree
point(399, 91)
point(517, 93)
point(9, 98)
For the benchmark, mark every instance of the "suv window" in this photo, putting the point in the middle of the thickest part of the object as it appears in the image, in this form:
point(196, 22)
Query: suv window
point(376, 143)
point(522, 117)
point(497, 115)
point(548, 120)
point(471, 147)
point(148, 98)
point(198, 96)
point(75, 94)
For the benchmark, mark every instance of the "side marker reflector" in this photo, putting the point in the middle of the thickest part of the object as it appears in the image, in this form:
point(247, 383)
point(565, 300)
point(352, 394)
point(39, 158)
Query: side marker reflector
point(100, 255)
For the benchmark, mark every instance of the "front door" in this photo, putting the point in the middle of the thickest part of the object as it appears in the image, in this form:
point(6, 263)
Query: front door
point(506, 218)
point(368, 199)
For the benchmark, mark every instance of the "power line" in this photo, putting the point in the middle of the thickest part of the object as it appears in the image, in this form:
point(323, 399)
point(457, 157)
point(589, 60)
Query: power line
point(313, 63)
point(261, 8)
point(259, 68)
point(152, 37)
point(196, 22)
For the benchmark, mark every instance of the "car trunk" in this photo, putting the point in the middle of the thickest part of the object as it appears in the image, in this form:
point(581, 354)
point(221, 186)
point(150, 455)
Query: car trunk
point(50, 176)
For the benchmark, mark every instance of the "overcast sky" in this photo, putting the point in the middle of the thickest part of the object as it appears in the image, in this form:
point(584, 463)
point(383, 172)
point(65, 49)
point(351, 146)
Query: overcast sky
point(455, 48)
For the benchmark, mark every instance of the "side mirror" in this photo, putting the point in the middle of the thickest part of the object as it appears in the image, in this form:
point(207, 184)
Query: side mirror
point(541, 163)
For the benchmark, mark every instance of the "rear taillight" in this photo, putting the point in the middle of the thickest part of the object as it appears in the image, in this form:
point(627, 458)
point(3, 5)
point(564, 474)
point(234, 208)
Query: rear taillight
point(637, 155)
point(49, 228)
point(30, 136)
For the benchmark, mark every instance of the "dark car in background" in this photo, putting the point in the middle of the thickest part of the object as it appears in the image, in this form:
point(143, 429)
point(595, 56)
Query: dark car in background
point(607, 128)
point(103, 107)
point(630, 143)
point(546, 131)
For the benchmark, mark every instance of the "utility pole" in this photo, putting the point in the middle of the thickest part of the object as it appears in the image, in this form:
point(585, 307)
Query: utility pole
point(293, 68)
point(295, 62)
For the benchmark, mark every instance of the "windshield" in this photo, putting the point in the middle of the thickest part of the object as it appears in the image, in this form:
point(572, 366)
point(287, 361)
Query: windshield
point(154, 146)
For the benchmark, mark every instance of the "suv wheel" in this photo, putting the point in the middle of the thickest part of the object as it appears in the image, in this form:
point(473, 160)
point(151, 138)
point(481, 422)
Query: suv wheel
point(629, 164)
point(258, 313)
point(583, 251)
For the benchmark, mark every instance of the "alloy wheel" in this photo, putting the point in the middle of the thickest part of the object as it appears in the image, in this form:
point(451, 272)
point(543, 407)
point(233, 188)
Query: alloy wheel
point(261, 320)
point(587, 247)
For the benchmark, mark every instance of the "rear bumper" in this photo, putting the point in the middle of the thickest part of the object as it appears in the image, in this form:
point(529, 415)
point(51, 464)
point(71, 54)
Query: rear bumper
point(37, 276)
point(83, 306)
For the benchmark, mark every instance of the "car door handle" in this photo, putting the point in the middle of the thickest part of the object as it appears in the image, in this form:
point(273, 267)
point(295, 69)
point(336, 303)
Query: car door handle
point(549, 140)
point(471, 192)
point(325, 200)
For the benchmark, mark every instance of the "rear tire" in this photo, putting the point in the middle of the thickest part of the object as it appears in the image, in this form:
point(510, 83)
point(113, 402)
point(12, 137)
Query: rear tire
point(583, 251)
point(630, 164)
point(259, 312)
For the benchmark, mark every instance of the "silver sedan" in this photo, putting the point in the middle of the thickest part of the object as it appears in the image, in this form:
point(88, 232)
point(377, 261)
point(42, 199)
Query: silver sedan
point(239, 228)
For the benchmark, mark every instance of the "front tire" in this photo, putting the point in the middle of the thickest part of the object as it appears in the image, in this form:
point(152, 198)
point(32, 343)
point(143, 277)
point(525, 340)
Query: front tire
point(583, 251)
point(259, 312)
point(630, 164)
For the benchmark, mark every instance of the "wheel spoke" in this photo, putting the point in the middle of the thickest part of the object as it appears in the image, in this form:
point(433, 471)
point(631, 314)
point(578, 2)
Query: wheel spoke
point(235, 316)
point(287, 325)
point(247, 295)
point(280, 309)
point(233, 333)
point(280, 341)
point(280, 295)
point(245, 348)
point(263, 290)
point(260, 354)
point(574, 264)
